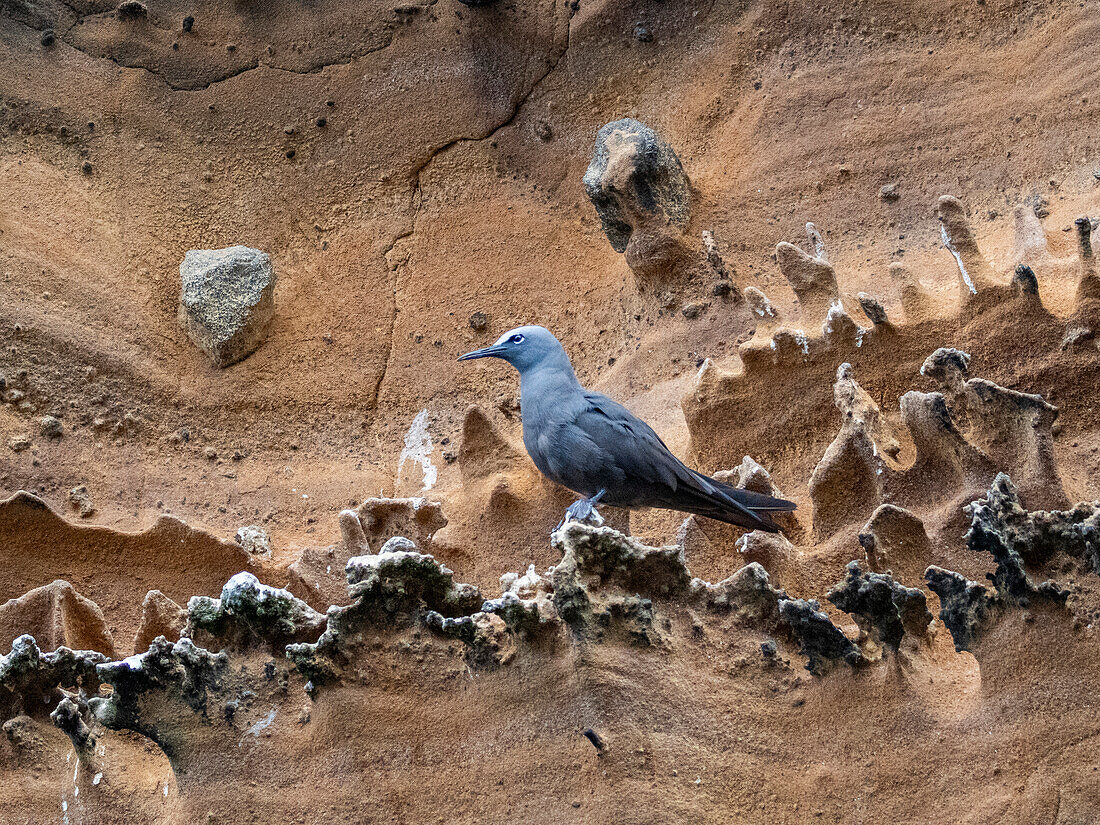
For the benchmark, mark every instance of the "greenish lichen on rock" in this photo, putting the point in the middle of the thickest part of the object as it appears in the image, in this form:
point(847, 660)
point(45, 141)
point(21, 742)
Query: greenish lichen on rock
point(31, 679)
point(250, 612)
point(748, 592)
point(401, 575)
point(884, 609)
point(152, 689)
point(69, 717)
point(605, 577)
point(397, 587)
point(1001, 527)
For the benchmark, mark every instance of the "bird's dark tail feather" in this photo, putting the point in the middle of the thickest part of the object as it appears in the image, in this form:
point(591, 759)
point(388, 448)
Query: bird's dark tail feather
point(743, 508)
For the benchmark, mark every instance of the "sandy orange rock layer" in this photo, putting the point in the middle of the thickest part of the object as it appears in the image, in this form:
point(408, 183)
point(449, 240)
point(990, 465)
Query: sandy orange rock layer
point(916, 368)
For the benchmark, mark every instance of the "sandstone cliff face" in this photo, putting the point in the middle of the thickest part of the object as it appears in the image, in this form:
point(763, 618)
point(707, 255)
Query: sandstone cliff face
point(395, 634)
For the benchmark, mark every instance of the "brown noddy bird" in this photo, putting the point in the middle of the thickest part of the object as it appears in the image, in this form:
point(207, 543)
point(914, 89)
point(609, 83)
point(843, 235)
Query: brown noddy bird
point(596, 447)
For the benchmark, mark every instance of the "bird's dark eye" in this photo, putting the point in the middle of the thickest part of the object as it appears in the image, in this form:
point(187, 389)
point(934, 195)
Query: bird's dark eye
point(516, 339)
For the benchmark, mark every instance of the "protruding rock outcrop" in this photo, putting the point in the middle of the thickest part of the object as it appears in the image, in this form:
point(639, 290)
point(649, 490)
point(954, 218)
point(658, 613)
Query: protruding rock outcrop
point(1088, 280)
point(159, 692)
point(748, 593)
point(847, 483)
point(392, 588)
point(894, 538)
point(227, 300)
point(1031, 248)
point(811, 277)
point(255, 540)
point(884, 609)
point(975, 273)
point(821, 641)
point(31, 680)
point(1000, 527)
point(484, 451)
point(318, 574)
point(56, 616)
point(69, 717)
point(874, 310)
point(916, 303)
point(643, 198)
point(1012, 431)
point(160, 616)
point(251, 613)
point(723, 285)
point(606, 579)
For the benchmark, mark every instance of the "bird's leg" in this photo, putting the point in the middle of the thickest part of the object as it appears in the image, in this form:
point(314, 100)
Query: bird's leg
point(583, 510)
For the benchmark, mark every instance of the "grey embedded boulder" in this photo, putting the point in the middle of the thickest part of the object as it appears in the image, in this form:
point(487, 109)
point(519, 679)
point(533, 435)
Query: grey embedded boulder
point(634, 173)
point(227, 301)
point(642, 196)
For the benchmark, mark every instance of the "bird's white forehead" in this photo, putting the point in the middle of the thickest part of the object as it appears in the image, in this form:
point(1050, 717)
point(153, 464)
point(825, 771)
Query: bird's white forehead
point(524, 330)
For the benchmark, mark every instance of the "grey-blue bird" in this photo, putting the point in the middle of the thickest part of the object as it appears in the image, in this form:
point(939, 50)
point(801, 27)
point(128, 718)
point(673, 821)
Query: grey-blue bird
point(596, 447)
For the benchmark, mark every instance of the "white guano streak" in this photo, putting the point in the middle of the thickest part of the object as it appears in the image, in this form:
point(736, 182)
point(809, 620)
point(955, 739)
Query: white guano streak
point(958, 259)
point(418, 449)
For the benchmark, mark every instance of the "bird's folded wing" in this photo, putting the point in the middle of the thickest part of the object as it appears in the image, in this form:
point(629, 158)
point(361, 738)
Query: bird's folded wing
point(631, 445)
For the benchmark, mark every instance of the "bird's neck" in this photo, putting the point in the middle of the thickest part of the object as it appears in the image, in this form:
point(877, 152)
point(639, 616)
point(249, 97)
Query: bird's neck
point(546, 384)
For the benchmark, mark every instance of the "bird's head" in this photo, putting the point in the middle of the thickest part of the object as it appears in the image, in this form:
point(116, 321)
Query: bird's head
point(524, 348)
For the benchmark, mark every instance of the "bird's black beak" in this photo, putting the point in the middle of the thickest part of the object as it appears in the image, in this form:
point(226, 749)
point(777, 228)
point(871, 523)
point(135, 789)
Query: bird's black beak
point(487, 352)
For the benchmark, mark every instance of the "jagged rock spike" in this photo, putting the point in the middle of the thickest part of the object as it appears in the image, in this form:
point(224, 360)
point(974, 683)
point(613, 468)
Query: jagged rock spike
point(1024, 281)
point(761, 308)
point(942, 451)
point(1088, 284)
point(848, 480)
point(69, 718)
point(884, 609)
point(894, 536)
point(251, 613)
point(975, 274)
point(813, 281)
point(816, 242)
point(57, 616)
point(821, 641)
point(484, 451)
point(351, 534)
point(874, 310)
point(160, 616)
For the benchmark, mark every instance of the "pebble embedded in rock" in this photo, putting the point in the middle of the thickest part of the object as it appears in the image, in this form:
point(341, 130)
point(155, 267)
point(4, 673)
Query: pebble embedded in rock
point(889, 192)
point(48, 38)
point(693, 310)
point(872, 308)
point(479, 321)
point(255, 540)
point(86, 168)
point(188, 23)
point(642, 34)
point(51, 426)
point(132, 8)
point(19, 443)
point(227, 301)
point(79, 498)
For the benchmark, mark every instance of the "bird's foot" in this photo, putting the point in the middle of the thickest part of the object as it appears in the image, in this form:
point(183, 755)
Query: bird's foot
point(583, 510)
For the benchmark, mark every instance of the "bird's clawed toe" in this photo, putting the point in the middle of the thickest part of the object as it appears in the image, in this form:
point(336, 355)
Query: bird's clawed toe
point(582, 510)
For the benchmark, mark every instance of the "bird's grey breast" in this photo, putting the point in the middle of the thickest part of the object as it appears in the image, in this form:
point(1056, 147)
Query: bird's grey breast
point(560, 448)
